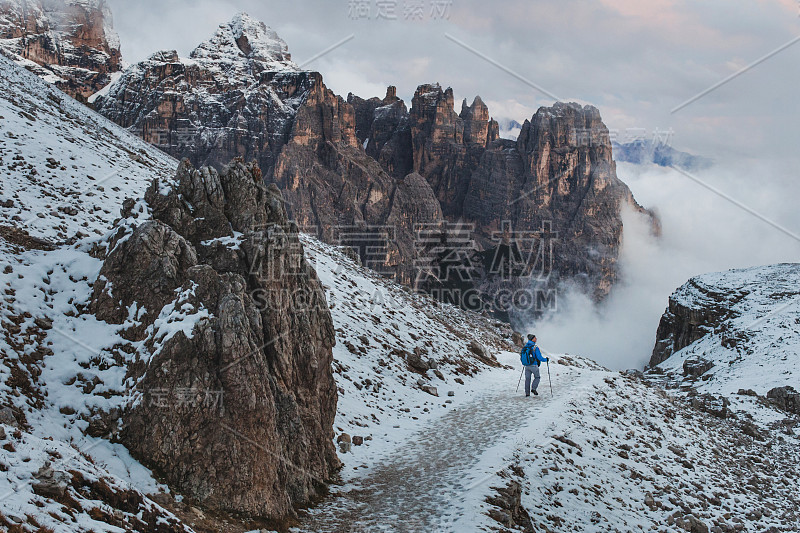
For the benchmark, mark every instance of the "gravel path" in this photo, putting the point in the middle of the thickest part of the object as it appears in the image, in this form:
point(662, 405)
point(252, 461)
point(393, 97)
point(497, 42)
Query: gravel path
point(421, 487)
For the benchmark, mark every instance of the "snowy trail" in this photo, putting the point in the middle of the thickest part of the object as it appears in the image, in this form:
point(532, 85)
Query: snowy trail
point(425, 485)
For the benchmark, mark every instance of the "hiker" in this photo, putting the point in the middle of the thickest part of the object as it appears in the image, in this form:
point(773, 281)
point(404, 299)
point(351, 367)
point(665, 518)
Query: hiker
point(531, 358)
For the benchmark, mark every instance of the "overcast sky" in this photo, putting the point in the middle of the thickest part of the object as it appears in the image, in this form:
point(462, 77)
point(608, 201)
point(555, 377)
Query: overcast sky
point(635, 60)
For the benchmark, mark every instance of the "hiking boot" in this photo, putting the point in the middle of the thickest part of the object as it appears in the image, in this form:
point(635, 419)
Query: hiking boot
point(527, 395)
point(535, 393)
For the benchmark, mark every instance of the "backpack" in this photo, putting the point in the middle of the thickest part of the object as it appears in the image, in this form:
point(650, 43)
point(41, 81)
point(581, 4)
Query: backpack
point(527, 355)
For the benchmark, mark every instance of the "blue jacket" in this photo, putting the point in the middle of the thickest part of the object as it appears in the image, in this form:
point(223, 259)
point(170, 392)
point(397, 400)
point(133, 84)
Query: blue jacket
point(530, 354)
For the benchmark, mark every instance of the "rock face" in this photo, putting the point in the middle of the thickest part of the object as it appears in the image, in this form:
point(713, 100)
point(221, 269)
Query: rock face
point(695, 310)
point(233, 397)
point(511, 199)
point(71, 43)
point(234, 96)
point(339, 192)
point(732, 331)
point(537, 210)
point(429, 196)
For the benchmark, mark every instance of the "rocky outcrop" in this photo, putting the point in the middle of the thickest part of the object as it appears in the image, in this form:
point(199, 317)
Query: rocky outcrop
point(71, 43)
point(785, 398)
point(696, 366)
point(507, 506)
point(732, 333)
point(539, 210)
point(558, 178)
point(695, 310)
point(233, 395)
point(441, 152)
point(534, 211)
point(236, 95)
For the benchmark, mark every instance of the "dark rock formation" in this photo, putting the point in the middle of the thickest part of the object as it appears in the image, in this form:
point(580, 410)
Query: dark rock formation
point(335, 189)
point(687, 320)
point(785, 398)
point(718, 406)
point(534, 211)
point(236, 95)
point(507, 508)
point(441, 153)
point(696, 367)
point(234, 396)
point(69, 42)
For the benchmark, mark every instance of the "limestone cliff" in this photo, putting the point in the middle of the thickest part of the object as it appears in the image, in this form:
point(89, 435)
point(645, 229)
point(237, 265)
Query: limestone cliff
point(71, 43)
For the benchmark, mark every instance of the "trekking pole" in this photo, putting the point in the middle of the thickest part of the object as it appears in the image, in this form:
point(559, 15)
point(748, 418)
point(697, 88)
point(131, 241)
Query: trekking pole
point(520, 378)
point(548, 377)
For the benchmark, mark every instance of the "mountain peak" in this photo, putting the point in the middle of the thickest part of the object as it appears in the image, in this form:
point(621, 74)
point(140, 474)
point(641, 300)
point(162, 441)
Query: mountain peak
point(246, 38)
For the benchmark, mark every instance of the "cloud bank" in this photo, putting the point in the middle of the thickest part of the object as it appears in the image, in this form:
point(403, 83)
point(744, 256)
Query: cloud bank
point(702, 232)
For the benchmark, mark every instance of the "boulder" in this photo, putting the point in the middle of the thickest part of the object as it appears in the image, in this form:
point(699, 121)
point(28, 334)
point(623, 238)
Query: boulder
point(50, 483)
point(7, 416)
point(696, 366)
point(416, 362)
point(478, 349)
point(713, 405)
point(785, 398)
point(694, 525)
point(430, 389)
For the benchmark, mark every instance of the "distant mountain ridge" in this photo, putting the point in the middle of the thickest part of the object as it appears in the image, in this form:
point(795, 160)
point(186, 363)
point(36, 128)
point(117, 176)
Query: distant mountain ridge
point(646, 151)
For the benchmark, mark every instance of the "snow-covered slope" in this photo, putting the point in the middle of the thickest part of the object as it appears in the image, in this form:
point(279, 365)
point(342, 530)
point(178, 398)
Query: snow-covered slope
point(745, 322)
point(384, 394)
point(65, 170)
